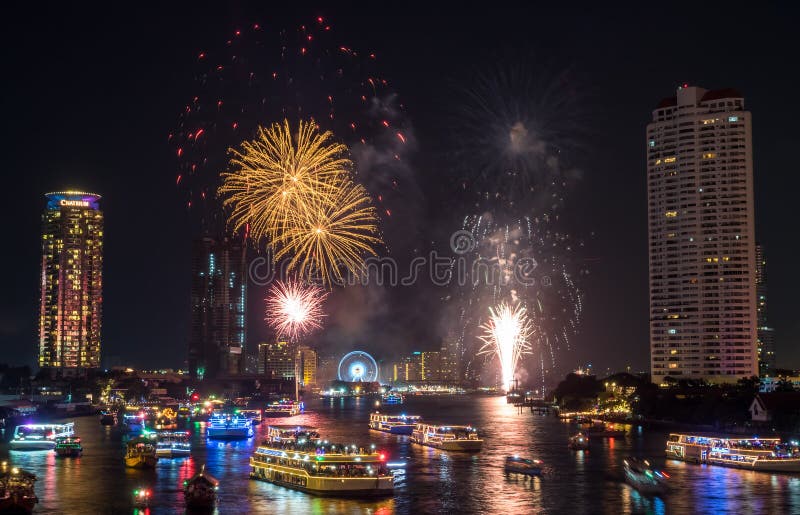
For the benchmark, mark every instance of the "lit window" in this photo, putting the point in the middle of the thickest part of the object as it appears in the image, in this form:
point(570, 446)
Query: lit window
point(652, 143)
point(673, 365)
point(669, 159)
point(733, 118)
point(671, 214)
point(709, 155)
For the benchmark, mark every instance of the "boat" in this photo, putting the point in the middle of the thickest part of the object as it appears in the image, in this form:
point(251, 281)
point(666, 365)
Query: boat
point(578, 442)
point(641, 476)
point(141, 498)
point(392, 398)
point(133, 422)
point(107, 419)
point(603, 430)
point(230, 426)
point(393, 424)
point(173, 444)
point(289, 434)
point(200, 491)
point(68, 447)
point(517, 465)
point(284, 408)
point(447, 438)
point(253, 414)
point(321, 468)
point(763, 454)
point(166, 419)
point(32, 437)
point(17, 493)
point(140, 453)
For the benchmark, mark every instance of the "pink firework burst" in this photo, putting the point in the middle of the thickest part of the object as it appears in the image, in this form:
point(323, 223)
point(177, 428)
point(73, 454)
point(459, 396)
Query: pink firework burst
point(294, 308)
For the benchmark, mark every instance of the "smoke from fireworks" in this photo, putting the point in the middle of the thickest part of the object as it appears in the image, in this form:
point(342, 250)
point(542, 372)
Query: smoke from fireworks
point(506, 335)
point(294, 308)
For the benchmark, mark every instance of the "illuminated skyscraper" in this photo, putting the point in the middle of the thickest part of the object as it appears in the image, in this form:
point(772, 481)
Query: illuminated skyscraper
point(766, 334)
point(218, 301)
point(71, 282)
point(701, 237)
point(306, 363)
point(276, 360)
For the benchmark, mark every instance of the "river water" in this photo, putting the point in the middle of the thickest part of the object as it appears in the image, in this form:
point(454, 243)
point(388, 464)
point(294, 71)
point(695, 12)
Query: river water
point(432, 482)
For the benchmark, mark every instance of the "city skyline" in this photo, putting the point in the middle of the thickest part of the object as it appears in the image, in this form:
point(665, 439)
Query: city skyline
point(135, 280)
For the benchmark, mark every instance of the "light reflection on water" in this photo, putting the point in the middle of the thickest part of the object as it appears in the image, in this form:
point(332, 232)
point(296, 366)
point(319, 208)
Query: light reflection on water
point(433, 481)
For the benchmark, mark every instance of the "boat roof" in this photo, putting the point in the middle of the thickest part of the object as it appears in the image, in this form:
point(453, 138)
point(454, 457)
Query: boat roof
point(46, 426)
point(738, 438)
point(292, 428)
point(203, 476)
point(447, 426)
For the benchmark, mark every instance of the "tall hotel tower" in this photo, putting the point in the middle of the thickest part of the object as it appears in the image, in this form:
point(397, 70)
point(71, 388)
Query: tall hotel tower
point(701, 237)
point(71, 282)
point(218, 298)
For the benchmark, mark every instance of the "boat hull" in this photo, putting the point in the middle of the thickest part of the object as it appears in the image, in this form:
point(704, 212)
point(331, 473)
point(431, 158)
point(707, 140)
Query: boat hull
point(69, 453)
point(14, 503)
point(328, 486)
point(527, 471)
point(229, 434)
point(452, 445)
point(141, 462)
point(788, 465)
point(173, 453)
point(31, 445)
point(395, 430)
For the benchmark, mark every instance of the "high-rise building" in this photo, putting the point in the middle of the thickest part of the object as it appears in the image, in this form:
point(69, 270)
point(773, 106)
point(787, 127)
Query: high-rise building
point(71, 302)
point(701, 237)
point(451, 359)
point(431, 365)
point(218, 322)
point(766, 334)
point(276, 360)
point(306, 363)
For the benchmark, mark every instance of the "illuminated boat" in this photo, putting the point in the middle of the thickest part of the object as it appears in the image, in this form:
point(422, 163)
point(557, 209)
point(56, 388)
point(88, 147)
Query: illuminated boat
point(579, 442)
point(641, 476)
point(230, 426)
point(253, 414)
point(68, 447)
point(133, 422)
point(603, 430)
point(200, 491)
point(447, 438)
point(17, 493)
point(321, 468)
point(518, 465)
point(32, 437)
point(290, 434)
point(284, 408)
point(394, 424)
point(141, 498)
point(764, 454)
point(140, 453)
point(166, 419)
point(392, 398)
point(173, 444)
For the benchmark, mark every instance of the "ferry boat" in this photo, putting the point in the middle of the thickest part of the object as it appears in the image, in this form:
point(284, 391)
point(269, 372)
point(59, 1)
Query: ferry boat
point(289, 434)
point(140, 453)
point(394, 424)
point(253, 414)
point(284, 408)
point(32, 437)
point(578, 442)
point(16, 490)
point(200, 491)
point(516, 465)
point(447, 438)
point(392, 398)
point(173, 444)
point(231, 426)
point(68, 447)
point(320, 468)
point(764, 454)
point(641, 476)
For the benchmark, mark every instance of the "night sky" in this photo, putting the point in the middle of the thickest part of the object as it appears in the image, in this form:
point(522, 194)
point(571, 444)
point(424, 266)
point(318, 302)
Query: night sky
point(90, 94)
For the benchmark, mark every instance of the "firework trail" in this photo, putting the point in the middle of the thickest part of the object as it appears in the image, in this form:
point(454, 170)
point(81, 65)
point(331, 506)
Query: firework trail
point(294, 308)
point(506, 335)
point(510, 142)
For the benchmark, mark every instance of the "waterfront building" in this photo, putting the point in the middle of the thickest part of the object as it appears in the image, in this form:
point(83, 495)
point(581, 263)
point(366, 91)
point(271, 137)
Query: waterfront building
point(276, 360)
point(766, 334)
point(71, 282)
point(218, 300)
point(430, 366)
point(306, 365)
point(701, 237)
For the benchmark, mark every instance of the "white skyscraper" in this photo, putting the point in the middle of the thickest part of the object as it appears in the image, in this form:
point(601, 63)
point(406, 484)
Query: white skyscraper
point(701, 237)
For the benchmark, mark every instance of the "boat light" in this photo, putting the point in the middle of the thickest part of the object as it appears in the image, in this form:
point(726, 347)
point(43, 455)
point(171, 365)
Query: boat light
point(381, 456)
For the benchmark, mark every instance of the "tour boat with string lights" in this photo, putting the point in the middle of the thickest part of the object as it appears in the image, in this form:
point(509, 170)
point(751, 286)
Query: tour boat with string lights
point(447, 438)
point(764, 454)
point(34, 437)
point(229, 426)
point(140, 453)
point(68, 447)
point(296, 457)
point(284, 408)
point(393, 424)
point(16, 490)
point(173, 444)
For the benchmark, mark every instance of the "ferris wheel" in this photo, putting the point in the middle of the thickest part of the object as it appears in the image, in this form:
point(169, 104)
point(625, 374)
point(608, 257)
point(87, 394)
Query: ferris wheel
point(358, 366)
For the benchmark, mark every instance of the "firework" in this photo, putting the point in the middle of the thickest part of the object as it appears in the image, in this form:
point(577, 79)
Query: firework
point(506, 335)
point(294, 308)
point(332, 235)
point(279, 175)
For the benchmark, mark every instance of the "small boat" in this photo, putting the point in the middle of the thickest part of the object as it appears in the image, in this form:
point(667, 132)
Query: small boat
point(107, 419)
point(133, 423)
point(33, 437)
point(253, 414)
point(141, 453)
point(229, 426)
point(605, 431)
point(173, 444)
point(68, 447)
point(447, 438)
point(200, 491)
point(640, 475)
point(284, 408)
point(517, 465)
point(16, 490)
point(393, 424)
point(579, 442)
point(393, 398)
point(141, 498)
